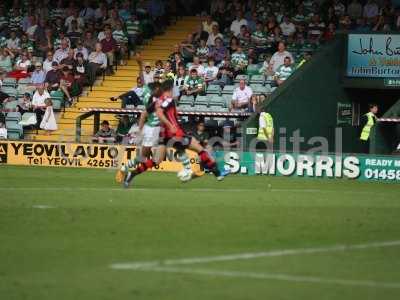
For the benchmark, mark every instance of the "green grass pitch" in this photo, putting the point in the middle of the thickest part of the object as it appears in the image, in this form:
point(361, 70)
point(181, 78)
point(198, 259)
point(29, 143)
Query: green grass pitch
point(62, 230)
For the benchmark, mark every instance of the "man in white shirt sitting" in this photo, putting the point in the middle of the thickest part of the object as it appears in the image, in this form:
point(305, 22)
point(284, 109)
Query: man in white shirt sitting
point(38, 104)
point(279, 57)
point(287, 27)
point(97, 62)
point(241, 96)
point(237, 23)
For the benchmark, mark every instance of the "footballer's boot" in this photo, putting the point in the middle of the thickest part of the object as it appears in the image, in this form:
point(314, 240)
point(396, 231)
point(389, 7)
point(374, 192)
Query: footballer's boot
point(223, 174)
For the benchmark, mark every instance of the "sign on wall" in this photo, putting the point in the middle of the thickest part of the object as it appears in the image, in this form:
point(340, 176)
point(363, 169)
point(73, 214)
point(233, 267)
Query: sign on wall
point(77, 155)
point(373, 55)
point(357, 167)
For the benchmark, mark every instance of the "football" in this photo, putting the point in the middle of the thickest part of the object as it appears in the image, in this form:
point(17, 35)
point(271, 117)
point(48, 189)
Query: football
point(185, 175)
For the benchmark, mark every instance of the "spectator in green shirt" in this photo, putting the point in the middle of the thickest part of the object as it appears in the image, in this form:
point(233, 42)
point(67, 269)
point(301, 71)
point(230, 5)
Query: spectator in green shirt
point(194, 84)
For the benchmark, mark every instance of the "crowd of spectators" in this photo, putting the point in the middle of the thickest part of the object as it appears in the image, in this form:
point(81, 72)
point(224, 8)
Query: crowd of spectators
point(64, 45)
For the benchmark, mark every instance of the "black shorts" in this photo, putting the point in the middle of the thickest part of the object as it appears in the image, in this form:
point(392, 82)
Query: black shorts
point(179, 143)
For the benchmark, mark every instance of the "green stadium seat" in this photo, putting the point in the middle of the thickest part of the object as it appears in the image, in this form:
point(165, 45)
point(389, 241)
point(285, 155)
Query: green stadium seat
point(228, 100)
point(257, 79)
point(201, 100)
point(28, 119)
point(228, 89)
point(200, 108)
point(9, 82)
point(253, 69)
point(217, 101)
point(260, 89)
point(186, 100)
point(13, 116)
point(213, 89)
point(14, 131)
point(184, 107)
point(58, 99)
point(24, 81)
point(11, 91)
point(10, 105)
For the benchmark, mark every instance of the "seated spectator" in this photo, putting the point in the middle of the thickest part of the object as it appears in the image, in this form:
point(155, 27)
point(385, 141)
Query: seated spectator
point(210, 72)
point(201, 134)
point(38, 77)
point(287, 27)
point(218, 52)
point(121, 38)
point(24, 104)
point(229, 135)
point(68, 61)
point(48, 122)
point(81, 71)
point(208, 24)
point(105, 134)
point(6, 57)
point(259, 37)
point(61, 52)
point(197, 65)
point(21, 69)
point(109, 46)
point(45, 43)
point(58, 41)
point(74, 33)
point(234, 44)
point(3, 96)
point(159, 69)
point(284, 71)
point(199, 34)
point(134, 96)
point(225, 74)
point(124, 126)
point(239, 61)
point(48, 62)
point(68, 85)
point(241, 96)
point(179, 82)
point(13, 43)
point(237, 23)
point(89, 41)
point(278, 58)
point(194, 84)
point(97, 62)
point(316, 28)
point(188, 48)
point(244, 36)
point(38, 103)
point(52, 80)
point(82, 50)
point(3, 131)
point(202, 51)
point(213, 35)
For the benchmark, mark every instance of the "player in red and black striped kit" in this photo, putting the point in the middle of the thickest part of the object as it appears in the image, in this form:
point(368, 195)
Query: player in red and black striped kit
point(172, 135)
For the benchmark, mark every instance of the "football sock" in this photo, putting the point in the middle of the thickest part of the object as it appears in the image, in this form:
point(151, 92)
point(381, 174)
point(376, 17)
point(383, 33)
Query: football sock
point(143, 167)
point(209, 163)
point(184, 159)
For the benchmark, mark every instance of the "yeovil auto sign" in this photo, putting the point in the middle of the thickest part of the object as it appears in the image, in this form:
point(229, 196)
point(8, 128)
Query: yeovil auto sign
point(373, 55)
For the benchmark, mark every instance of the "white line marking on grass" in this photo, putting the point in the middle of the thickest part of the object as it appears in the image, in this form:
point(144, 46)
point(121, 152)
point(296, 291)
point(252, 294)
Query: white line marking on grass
point(272, 276)
point(43, 206)
point(246, 256)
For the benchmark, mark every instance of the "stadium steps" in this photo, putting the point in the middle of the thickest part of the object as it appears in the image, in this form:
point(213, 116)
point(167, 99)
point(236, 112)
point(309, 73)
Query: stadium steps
point(159, 48)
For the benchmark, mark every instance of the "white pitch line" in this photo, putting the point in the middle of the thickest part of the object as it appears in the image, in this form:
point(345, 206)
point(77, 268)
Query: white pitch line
point(272, 276)
point(39, 206)
point(247, 256)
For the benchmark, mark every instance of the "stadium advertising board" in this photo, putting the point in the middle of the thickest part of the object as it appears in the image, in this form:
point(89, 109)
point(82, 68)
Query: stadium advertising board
point(373, 55)
point(359, 167)
point(76, 155)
